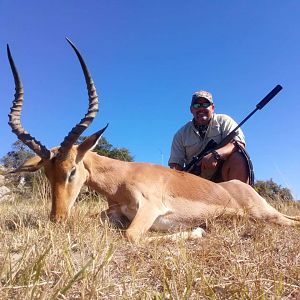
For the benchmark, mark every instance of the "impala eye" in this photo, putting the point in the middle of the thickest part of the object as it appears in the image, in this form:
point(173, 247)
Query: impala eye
point(72, 173)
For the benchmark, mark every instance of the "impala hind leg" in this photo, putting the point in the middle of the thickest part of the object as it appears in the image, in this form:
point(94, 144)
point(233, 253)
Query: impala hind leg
point(195, 234)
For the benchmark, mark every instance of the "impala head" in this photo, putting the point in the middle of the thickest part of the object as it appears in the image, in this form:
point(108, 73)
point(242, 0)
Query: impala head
point(64, 165)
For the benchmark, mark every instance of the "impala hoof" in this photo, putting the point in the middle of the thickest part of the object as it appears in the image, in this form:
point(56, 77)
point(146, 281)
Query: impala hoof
point(58, 218)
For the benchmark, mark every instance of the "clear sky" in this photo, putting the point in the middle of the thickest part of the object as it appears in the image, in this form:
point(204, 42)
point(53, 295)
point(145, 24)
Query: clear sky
point(147, 58)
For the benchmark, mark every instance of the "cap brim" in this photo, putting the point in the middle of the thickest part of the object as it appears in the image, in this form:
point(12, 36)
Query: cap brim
point(195, 99)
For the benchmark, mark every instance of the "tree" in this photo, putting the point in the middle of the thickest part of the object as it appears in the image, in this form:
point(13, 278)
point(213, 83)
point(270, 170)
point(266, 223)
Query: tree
point(13, 159)
point(270, 189)
point(19, 154)
point(104, 148)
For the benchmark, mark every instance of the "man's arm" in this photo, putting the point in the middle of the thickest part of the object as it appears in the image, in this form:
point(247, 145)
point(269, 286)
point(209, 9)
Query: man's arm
point(177, 156)
point(210, 161)
point(228, 149)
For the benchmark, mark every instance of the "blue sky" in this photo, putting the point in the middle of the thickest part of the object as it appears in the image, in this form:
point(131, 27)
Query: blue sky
point(147, 58)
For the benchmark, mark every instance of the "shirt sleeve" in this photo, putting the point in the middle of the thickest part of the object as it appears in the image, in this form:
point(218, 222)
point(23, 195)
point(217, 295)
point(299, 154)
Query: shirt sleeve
point(229, 125)
point(177, 155)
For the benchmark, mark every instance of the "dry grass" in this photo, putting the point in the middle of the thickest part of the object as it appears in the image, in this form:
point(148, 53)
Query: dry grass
point(84, 260)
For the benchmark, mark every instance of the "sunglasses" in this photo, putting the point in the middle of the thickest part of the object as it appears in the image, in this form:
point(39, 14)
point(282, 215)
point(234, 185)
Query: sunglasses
point(204, 105)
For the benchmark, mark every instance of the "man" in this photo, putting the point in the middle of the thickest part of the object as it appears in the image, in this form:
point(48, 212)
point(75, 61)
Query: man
point(226, 163)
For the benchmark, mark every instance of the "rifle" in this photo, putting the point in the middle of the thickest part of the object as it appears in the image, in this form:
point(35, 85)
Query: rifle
point(212, 145)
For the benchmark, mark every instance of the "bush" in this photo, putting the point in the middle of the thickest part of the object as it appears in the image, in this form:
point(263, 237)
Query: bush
point(270, 189)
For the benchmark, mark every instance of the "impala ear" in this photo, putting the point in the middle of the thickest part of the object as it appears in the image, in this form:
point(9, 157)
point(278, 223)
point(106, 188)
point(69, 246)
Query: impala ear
point(31, 165)
point(90, 143)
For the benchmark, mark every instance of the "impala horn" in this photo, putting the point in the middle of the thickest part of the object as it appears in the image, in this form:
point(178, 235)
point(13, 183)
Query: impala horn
point(76, 131)
point(15, 114)
point(73, 135)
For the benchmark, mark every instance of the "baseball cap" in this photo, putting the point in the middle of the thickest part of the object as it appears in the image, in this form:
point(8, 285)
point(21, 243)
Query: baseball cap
point(202, 94)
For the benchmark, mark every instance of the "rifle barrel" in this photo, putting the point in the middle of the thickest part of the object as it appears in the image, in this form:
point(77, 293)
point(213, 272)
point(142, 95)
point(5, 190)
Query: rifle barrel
point(261, 104)
point(269, 97)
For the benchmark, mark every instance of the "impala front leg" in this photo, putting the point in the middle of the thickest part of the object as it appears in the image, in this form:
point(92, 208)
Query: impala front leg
point(142, 222)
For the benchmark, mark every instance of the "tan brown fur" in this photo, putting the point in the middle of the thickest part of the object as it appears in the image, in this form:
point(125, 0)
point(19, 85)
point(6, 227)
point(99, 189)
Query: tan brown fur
point(149, 196)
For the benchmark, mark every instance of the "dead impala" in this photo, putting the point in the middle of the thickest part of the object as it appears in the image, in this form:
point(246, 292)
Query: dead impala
point(148, 196)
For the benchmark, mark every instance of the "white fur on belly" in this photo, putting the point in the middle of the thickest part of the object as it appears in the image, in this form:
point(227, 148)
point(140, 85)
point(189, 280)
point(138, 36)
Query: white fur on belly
point(165, 224)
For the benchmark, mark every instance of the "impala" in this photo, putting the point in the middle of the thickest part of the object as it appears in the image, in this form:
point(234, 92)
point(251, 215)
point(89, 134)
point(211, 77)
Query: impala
point(145, 195)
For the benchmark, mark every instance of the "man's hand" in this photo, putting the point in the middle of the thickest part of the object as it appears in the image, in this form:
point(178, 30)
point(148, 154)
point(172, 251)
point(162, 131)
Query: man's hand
point(208, 162)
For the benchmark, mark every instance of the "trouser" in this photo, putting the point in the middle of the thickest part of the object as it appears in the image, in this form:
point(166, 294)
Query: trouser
point(216, 175)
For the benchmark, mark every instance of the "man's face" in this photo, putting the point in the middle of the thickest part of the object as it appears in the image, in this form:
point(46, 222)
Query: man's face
point(202, 115)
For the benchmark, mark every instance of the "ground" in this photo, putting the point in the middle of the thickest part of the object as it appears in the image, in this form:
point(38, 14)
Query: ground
point(83, 259)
